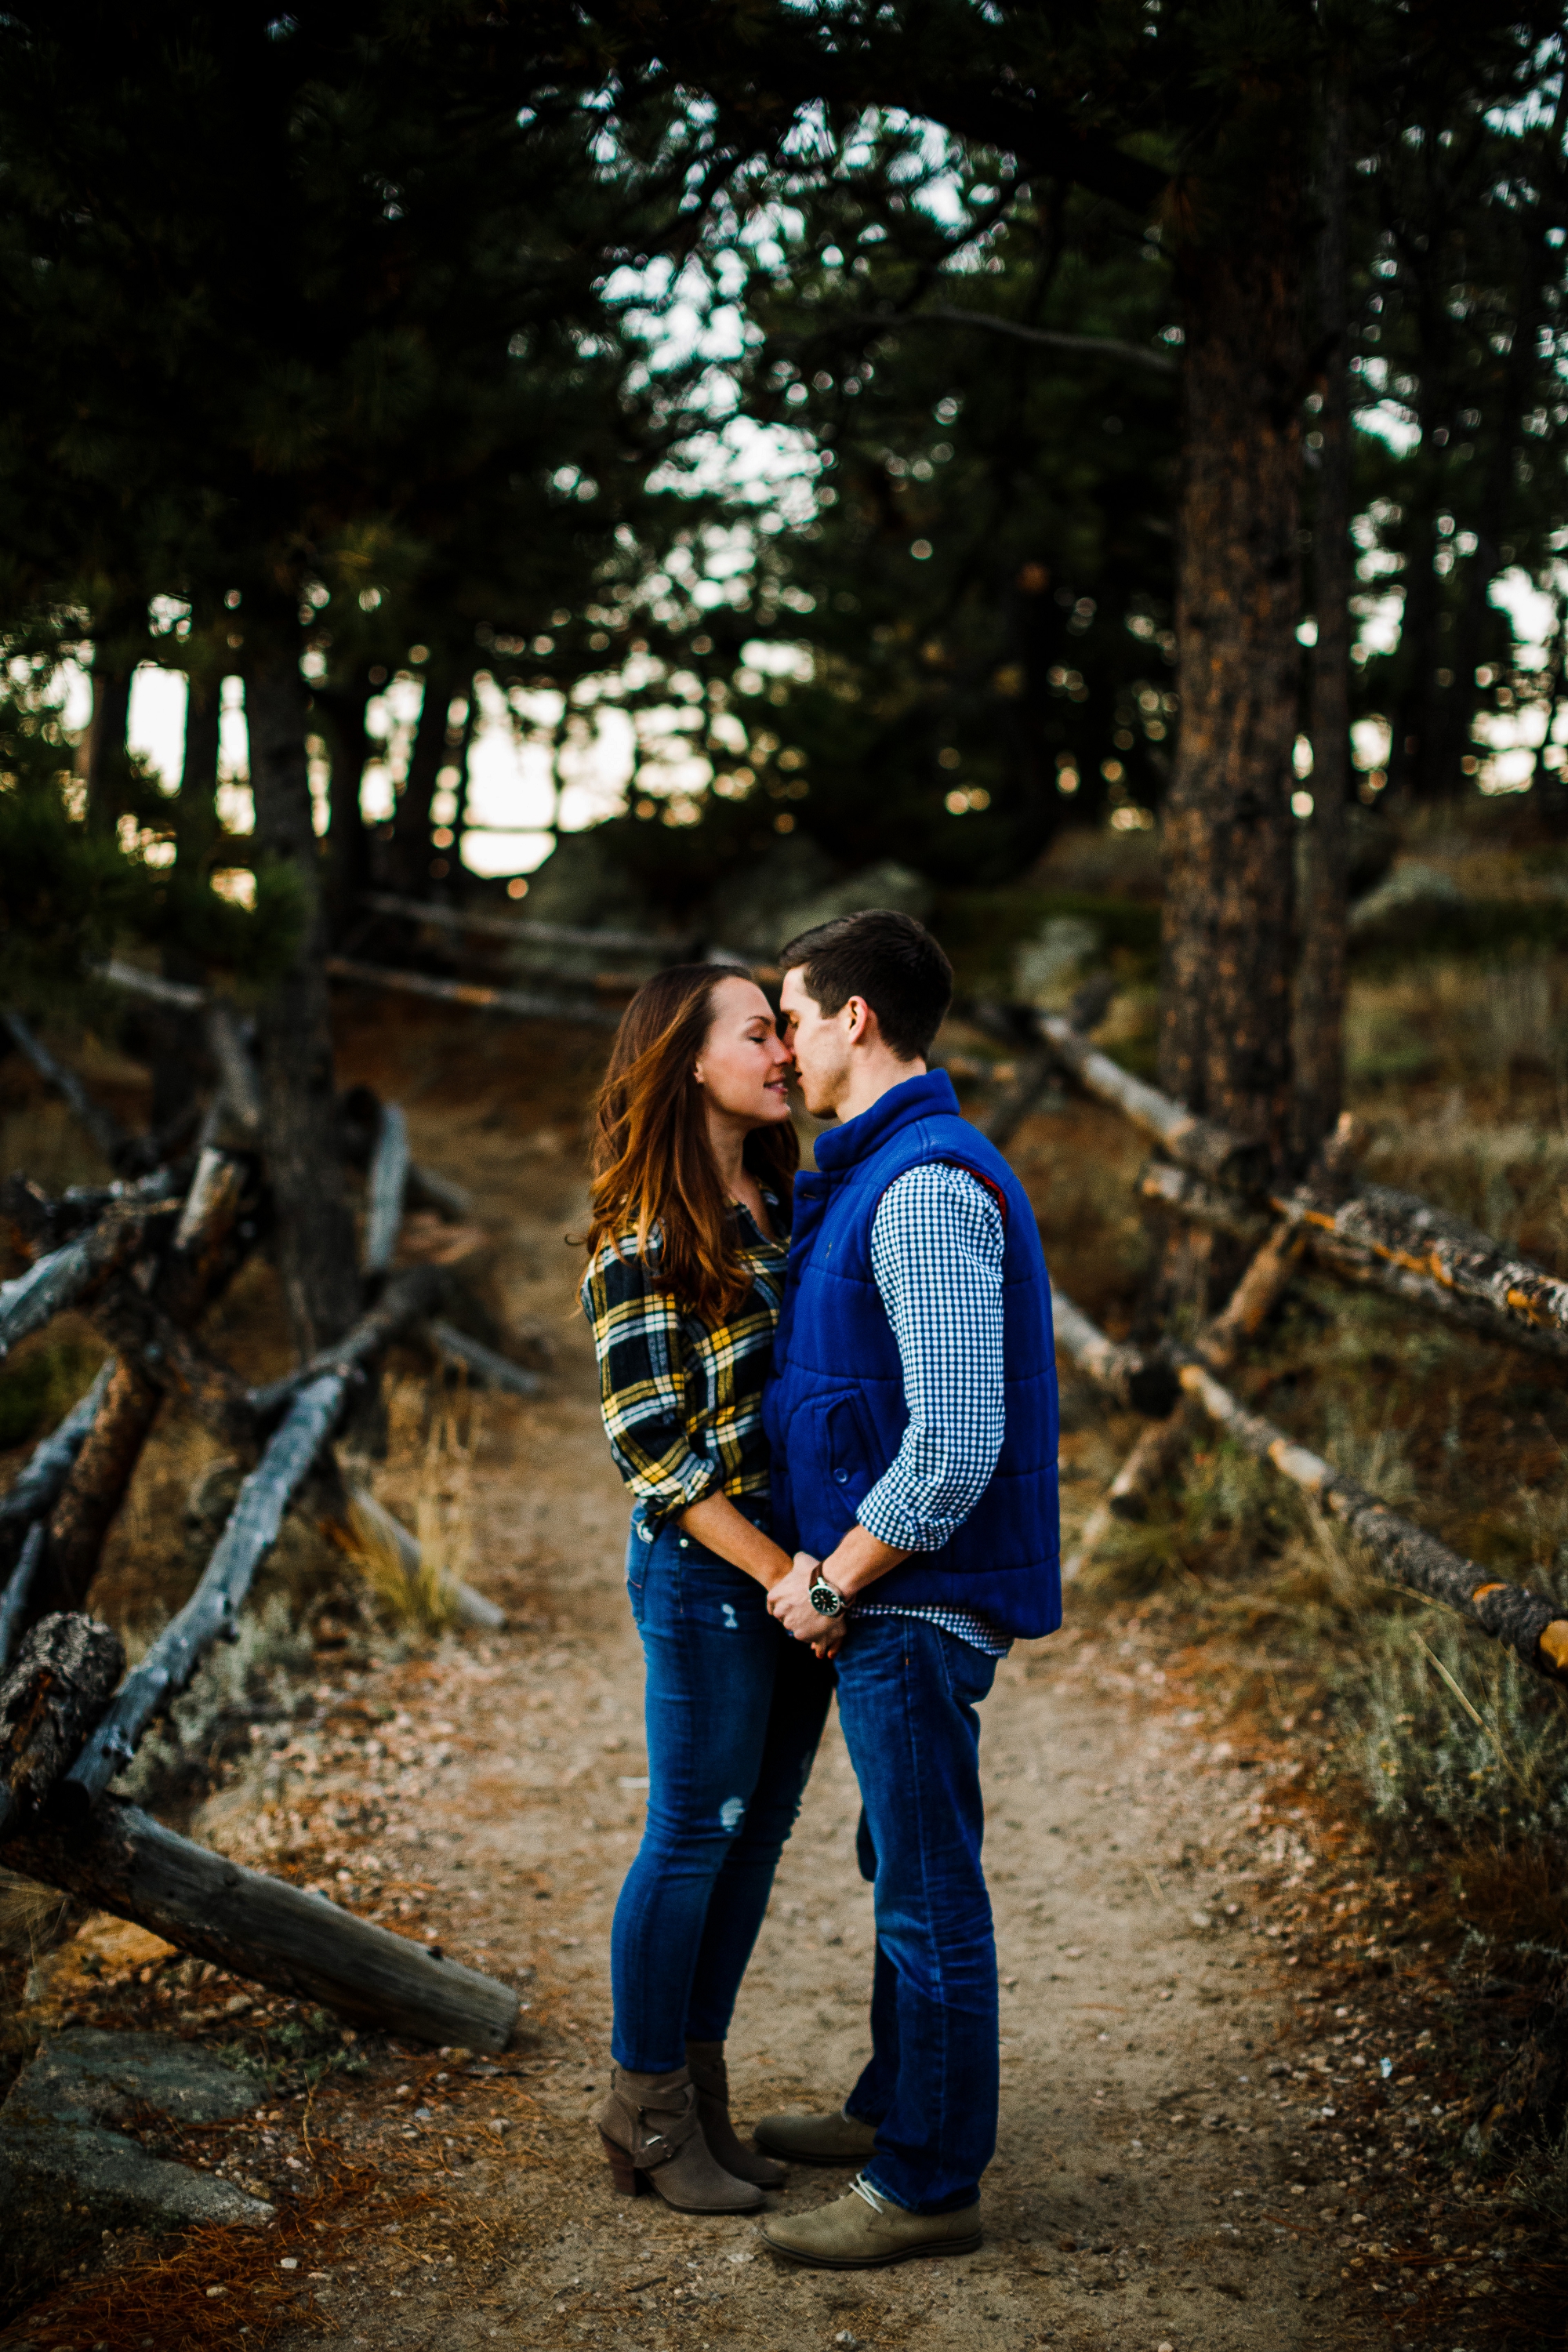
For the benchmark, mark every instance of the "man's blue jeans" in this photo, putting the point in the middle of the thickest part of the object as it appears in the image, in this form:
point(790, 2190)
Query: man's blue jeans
point(735, 1710)
point(907, 1698)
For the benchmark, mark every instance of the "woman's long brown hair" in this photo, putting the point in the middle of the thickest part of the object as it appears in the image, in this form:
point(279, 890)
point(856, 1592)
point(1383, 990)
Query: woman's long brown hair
point(652, 1161)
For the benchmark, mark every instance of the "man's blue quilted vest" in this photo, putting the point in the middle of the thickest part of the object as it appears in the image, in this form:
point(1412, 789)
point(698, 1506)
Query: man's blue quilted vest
point(834, 1408)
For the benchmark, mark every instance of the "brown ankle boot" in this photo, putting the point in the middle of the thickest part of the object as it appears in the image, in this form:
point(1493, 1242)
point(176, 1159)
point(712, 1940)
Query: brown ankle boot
point(652, 2136)
point(710, 2077)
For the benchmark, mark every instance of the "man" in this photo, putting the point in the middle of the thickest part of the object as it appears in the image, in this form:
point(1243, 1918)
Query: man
point(912, 1416)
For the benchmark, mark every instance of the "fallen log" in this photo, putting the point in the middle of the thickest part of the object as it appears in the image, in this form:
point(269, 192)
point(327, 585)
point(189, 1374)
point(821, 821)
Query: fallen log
point(136, 982)
point(215, 1605)
point(120, 1860)
point(490, 1370)
point(94, 1118)
point(526, 931)
point(526, 1003)
point(240, 1084)
point(18, 1587)
point(1186, 1195)
point(1145, 1382)
point(1405, 1554)
point(388, 1184)
point(1197, 1143)
point(49, 1703)
point(410, 1296)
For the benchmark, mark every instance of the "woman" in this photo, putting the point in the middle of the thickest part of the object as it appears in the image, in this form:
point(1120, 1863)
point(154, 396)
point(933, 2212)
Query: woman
point(693, 1158)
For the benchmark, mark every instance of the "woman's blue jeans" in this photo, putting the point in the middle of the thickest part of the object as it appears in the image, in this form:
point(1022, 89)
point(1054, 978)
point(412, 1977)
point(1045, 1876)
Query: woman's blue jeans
point(735, 1710)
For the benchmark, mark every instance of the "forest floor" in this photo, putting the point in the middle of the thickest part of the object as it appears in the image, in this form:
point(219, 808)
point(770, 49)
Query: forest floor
point(1210, 2117)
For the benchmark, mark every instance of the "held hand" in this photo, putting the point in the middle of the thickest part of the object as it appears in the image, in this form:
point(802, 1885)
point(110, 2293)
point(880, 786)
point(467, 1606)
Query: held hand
point(788, 1602)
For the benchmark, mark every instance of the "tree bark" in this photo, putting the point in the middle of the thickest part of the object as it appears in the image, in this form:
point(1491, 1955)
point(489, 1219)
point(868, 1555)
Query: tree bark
point(1318, 1040)
point(96, 1488)
point(49, 1703)
point(315, 1227)
point(349, 846)
point(114, 653)
point(1225, 1042)
point(410, 842)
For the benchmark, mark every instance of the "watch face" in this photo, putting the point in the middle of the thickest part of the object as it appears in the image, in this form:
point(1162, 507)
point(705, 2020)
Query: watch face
point(824, 1600)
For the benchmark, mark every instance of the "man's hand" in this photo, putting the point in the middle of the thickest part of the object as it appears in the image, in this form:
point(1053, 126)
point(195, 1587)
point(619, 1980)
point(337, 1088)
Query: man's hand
point(790, 1603)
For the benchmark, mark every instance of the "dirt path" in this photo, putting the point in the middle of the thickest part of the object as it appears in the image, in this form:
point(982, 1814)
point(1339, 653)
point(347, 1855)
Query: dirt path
point(1165, 2174)
point(1149, 2187)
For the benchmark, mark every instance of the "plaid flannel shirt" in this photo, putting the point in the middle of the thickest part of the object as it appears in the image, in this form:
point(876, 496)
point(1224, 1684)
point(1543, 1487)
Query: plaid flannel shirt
point(682, 1401)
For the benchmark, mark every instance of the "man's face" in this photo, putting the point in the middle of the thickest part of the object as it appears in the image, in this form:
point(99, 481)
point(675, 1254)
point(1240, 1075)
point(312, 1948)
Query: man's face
point(820, 1043)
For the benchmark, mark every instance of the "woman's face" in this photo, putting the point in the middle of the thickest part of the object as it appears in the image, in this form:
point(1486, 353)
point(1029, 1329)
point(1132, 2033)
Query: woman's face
point(744, 1067)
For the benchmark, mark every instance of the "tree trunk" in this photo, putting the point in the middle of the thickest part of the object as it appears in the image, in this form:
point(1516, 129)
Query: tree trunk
point(315, 1227)
point(1225, 1018)
point(411, 824)
point(349, 874)
point(1318, 1040)
point(113, 666)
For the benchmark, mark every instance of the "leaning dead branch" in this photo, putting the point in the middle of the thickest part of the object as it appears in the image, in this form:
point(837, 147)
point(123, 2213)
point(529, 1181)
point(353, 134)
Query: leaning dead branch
point(35, 1488)
point(120, 1860)
point(1196, 1143)
point(1405, 1554)
point(93, 1118)
point(388, 1184)
point(215, 1605)
point(17, 1591)
point(409, 1298)
point(482, 1363)
point(1145, 1382)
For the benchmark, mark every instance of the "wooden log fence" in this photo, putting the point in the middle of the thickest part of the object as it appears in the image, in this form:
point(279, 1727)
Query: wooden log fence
point(1420, 1253)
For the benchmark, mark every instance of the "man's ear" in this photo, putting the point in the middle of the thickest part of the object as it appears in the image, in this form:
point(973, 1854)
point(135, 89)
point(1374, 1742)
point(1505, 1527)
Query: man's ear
point(862, 1019)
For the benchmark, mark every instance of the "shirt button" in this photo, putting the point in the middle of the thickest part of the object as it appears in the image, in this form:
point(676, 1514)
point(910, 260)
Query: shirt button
point(841, 1477)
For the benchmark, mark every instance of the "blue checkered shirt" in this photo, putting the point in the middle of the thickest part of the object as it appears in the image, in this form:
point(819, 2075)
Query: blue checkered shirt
point(936, 1257)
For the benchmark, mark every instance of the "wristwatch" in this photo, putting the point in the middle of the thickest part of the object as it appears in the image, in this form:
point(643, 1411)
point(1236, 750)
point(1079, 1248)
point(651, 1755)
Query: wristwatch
point(825, 1598)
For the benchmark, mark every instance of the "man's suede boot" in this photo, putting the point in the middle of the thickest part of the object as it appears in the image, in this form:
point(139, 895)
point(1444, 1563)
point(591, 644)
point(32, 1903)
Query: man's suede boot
point(816, 2139)
point(865, 2231)
point(652, 2136)
point(710, 2078)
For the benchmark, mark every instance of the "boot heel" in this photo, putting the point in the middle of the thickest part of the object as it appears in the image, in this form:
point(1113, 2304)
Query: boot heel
point(628, 2180)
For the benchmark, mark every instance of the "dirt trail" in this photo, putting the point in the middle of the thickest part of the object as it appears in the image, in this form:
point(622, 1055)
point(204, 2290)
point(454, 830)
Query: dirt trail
point(1157, 2183)
point(1144, 2189)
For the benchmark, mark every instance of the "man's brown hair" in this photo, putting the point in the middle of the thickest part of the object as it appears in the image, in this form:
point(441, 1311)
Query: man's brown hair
point(890, 960)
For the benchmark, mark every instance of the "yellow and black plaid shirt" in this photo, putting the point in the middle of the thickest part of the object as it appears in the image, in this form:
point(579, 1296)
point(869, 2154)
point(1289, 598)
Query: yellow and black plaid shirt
point(683, 1401)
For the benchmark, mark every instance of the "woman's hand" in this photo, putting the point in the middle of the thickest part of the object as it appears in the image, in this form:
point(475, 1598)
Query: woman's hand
point(790, 1602)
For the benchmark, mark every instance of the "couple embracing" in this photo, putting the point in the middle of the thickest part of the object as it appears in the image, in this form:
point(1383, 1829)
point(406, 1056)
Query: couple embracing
point(833, 1397)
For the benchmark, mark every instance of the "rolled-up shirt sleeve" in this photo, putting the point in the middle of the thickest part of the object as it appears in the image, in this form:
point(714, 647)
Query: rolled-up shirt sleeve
point(640, 1346)
point(936, 1250)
